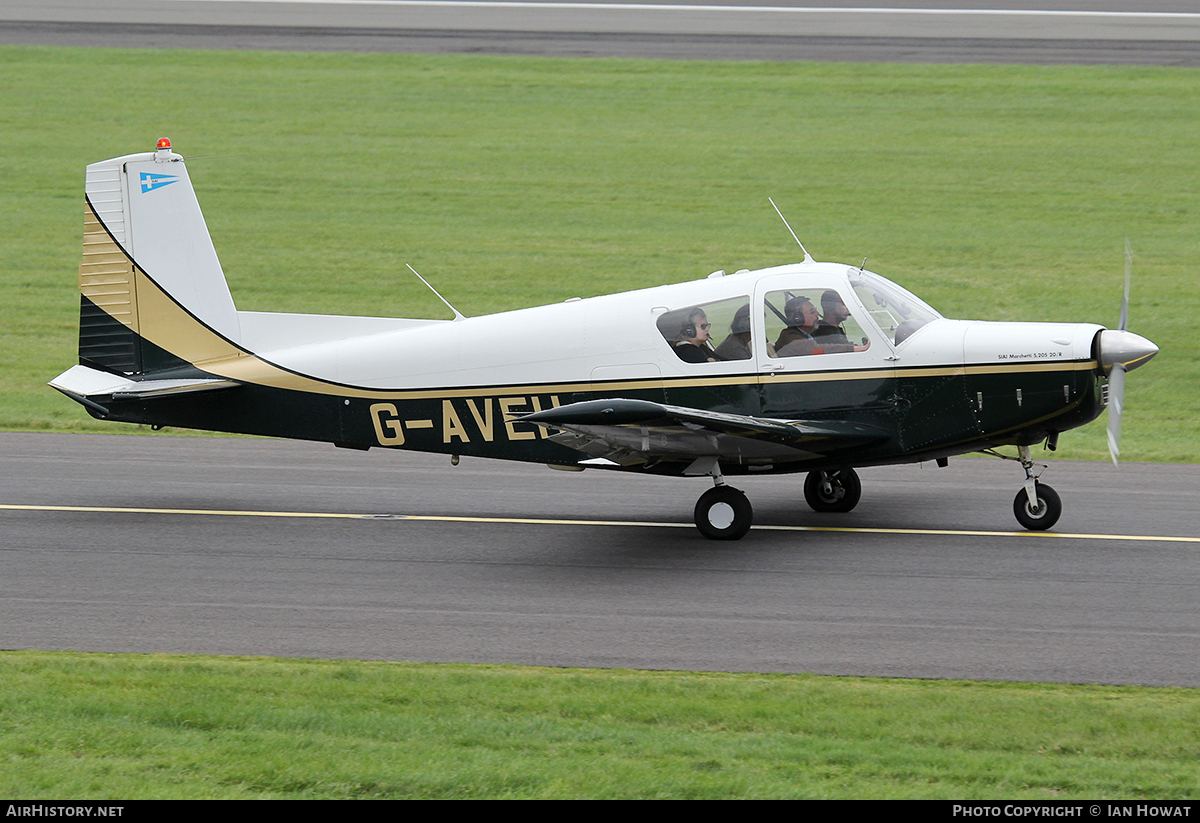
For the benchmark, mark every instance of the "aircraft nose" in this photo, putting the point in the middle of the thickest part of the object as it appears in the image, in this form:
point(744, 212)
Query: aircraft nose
point(1124, 347)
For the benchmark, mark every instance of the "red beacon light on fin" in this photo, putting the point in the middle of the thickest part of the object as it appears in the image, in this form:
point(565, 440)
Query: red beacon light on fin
point(163, 153)
point(164, 143)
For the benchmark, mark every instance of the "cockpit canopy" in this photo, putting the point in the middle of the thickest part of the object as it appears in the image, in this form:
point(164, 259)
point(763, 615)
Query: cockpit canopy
point(805, 310)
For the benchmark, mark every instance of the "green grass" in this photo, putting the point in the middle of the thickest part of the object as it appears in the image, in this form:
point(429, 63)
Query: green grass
point(137, 726)
point(996, 192)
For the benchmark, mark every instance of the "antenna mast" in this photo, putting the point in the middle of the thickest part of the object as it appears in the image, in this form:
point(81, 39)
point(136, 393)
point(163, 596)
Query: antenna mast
point(807, 256)
point(457, 314)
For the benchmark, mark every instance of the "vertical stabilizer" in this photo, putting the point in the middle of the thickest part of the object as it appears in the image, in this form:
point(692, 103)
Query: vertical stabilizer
point(143, 220)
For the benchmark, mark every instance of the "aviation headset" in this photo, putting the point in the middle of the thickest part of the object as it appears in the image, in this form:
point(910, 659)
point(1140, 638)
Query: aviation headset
point(793, 310)
point(688, 332)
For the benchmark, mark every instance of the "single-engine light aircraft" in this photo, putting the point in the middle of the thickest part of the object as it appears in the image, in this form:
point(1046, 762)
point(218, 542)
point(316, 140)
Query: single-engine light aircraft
point(808, 367)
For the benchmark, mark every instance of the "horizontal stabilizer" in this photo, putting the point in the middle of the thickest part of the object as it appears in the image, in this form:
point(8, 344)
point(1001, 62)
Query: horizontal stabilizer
point(81, 381)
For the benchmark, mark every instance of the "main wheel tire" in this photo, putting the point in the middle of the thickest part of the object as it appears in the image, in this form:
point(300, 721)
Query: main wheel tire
point(1049, 508)
point(842, 494)
point(723, 513)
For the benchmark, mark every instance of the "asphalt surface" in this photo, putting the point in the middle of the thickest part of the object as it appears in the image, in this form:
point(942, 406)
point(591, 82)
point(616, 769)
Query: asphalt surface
point(1149, 32)
point(463, 564)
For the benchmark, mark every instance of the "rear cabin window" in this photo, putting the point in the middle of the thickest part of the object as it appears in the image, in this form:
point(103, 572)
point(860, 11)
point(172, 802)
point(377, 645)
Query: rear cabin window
point(708, 332)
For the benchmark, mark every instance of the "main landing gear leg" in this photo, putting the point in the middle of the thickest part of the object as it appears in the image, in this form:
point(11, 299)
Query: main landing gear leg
point(723, 512)
point(832, 491)
point(1037, 506)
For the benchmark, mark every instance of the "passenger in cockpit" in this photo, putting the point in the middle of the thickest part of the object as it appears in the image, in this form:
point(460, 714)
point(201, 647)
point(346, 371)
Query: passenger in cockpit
point(693, 345)
point(737, 345)
point(802, 319)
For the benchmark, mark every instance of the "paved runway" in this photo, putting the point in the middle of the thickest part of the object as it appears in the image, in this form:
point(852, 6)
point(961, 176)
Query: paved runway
point(464, 564)
point(1150, 32)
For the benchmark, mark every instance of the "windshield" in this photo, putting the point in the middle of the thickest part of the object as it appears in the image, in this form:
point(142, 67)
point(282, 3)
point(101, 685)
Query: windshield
point(897, 311)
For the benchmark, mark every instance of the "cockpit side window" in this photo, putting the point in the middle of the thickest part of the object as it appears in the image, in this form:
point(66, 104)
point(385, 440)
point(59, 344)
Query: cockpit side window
point(814, 321)
point(708, 332)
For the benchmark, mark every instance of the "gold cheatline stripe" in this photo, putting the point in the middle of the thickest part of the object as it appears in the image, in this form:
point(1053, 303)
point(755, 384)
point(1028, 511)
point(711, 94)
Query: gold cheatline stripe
point(253, 369)
point(538, 521)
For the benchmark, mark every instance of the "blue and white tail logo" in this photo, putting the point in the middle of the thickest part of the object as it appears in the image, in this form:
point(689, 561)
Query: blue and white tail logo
point(150, 182)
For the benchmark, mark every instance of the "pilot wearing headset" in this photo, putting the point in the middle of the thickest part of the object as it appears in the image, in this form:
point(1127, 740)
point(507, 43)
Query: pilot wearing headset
point(835, 314)
point(817, 338)
point(829, 332)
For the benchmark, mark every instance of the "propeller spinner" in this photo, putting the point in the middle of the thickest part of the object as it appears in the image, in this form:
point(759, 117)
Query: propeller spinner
point(1121, 351)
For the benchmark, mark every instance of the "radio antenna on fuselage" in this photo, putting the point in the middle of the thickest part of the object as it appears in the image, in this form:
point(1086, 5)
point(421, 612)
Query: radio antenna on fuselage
point(807, 256)
point(457, 314)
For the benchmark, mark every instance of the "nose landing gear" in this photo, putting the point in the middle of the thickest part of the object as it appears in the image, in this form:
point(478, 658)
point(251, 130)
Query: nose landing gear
point(1037, 506)
point(1040, 514)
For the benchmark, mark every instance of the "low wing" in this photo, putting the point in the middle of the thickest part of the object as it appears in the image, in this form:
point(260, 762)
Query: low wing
point(627, 432)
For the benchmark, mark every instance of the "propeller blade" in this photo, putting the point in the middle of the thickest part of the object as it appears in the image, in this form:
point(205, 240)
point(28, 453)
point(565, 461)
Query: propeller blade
point(1116, 402)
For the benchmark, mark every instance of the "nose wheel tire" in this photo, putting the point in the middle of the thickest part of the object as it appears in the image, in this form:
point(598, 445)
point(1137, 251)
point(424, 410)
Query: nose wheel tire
point(1044, 515)
point(832, 491)
point(723, 513)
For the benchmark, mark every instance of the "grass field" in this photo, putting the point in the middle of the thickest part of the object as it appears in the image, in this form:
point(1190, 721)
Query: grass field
point(996, 192)
point(154, 726)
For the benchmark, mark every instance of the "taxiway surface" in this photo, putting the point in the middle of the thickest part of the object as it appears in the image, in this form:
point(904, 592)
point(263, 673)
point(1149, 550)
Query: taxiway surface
point(241, 546)
point(1150, 32)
